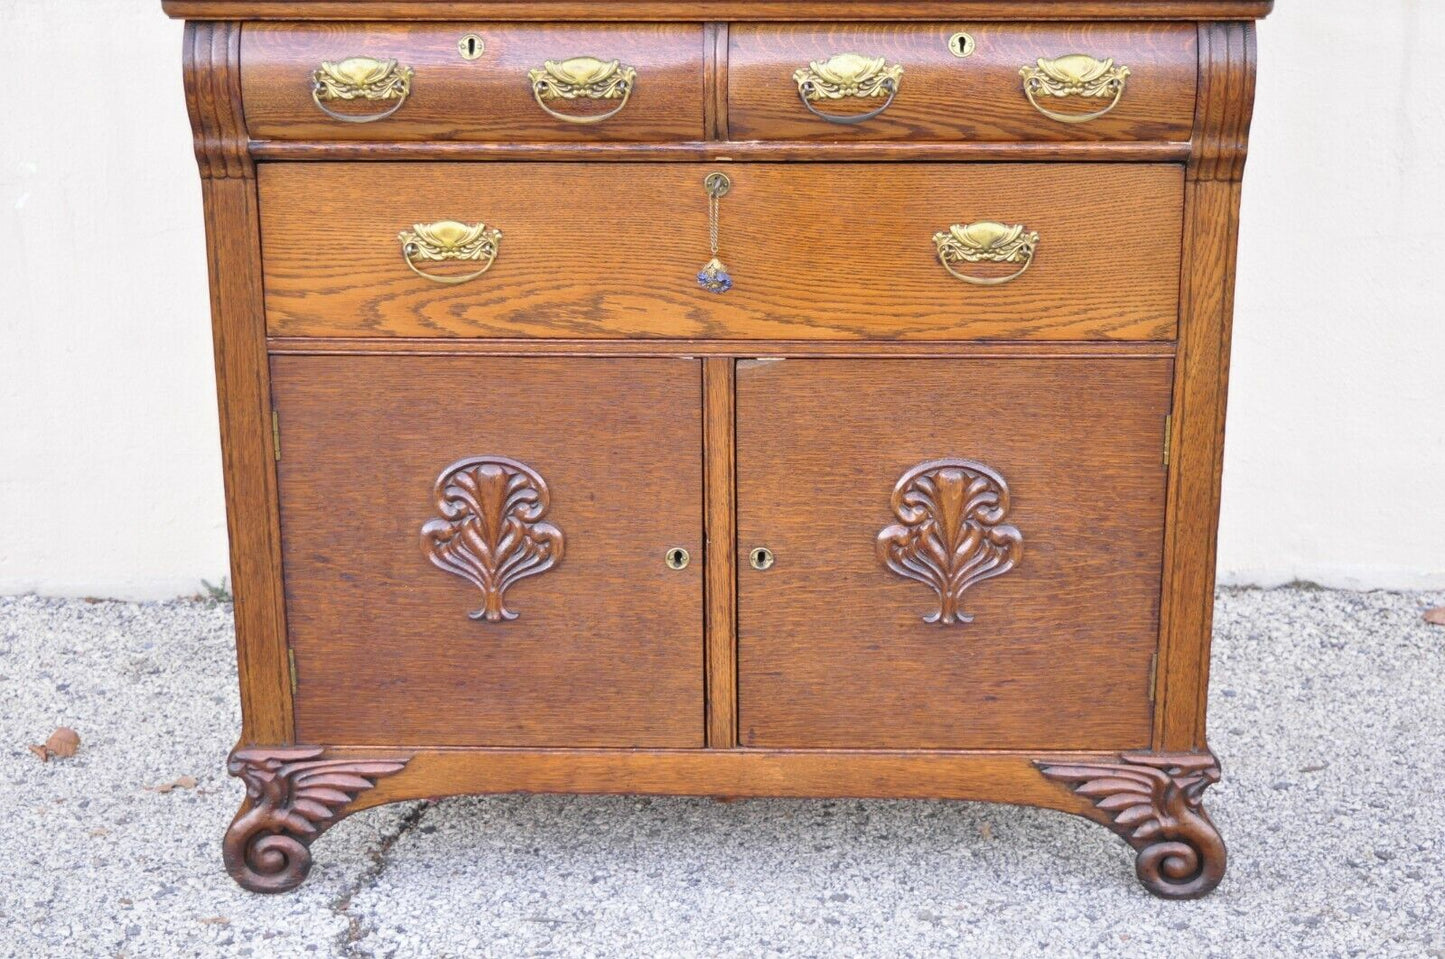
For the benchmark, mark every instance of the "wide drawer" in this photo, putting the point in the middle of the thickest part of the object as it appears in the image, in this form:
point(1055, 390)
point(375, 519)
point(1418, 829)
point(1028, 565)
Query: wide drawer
point(965, 554)
point(414, 81)
point(815, 250)
point(1043, 81)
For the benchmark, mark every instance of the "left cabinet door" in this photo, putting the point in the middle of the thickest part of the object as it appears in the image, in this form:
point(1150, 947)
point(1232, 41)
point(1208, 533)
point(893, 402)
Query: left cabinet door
point(482, 551)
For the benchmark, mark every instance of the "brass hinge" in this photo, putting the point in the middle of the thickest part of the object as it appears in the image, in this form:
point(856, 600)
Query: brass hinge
point(1168, 435)
point(1153, 675)
point(276, 435)
point(291, 659)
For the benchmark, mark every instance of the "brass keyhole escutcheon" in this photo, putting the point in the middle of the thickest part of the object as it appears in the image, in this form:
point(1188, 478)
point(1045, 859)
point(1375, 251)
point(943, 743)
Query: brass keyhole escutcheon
point(761, 558)
point(471, 46)
point(718, 185)
point(678, 558)
point(962, 45)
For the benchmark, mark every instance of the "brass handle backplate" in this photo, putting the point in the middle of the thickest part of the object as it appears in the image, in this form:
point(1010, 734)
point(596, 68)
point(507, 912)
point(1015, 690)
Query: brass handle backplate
point(848, 75)
point(761, 559)
point(1075, 75)
point(450, 240)
point(361, 78)
point(986, 242)
point(582, 78)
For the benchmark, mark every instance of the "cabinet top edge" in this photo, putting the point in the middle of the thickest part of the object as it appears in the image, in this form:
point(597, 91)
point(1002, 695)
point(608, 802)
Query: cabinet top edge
point(740, 10)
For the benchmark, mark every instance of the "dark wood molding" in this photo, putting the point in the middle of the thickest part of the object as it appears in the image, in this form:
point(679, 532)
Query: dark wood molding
point(1155, 803)
point(293, 795)
point(950, 532)
point(1112, 152)
point(491, 532)
point(1226, 101)
point(416, 346)
point(640, 10)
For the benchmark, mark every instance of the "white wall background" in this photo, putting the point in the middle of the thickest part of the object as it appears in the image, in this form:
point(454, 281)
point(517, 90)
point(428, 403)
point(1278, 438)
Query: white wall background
point(110, 475)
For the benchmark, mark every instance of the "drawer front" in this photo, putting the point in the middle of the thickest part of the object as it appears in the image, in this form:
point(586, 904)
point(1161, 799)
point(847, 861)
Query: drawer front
point(815, 251)
point(426, 500)
point(942, 96)
point(1026, 494)
point(433, 92)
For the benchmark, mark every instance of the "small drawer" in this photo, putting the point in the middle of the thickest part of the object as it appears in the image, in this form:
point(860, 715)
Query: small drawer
point(960, 81)
point(815, 251)
point(458, 81)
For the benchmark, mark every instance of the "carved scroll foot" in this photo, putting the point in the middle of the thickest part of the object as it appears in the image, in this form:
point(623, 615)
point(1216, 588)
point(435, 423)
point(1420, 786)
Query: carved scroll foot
point(292, 796)
point(1154, 801)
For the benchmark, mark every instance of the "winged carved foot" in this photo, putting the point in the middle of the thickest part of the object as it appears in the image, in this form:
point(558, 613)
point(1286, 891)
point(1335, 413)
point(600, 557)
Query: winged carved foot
point(293, 795)
point(1155, 802)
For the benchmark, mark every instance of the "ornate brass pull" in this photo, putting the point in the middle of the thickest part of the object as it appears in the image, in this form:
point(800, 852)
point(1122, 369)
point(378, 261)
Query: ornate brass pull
point(1076, 75)
point(450, 240)
point(986, 242)
point(848, 75)
point(361, 78)
point(582, 78)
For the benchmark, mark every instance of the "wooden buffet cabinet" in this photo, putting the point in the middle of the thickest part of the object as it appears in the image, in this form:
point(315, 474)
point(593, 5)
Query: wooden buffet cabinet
point(744, 397)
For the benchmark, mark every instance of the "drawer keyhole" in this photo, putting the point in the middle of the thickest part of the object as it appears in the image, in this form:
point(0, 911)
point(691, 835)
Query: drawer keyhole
point(761, 558)
point(471, 46)
point(961, 45)
point(678, 558)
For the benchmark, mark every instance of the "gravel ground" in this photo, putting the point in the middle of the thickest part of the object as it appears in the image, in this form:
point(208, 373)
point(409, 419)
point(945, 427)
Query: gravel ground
point(1328, 713)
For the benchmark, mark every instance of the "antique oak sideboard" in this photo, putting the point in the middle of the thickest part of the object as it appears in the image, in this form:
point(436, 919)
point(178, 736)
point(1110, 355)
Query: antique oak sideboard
point(730, 397)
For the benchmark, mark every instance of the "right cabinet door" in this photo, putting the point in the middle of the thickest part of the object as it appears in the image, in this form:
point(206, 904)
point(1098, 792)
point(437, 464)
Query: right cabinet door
point(950, 553)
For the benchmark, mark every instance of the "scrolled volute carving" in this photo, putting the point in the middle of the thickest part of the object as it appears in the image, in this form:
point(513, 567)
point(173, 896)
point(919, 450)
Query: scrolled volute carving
point(293, 795)
point(951, 533)
point(491, 531)
point(1155, 802)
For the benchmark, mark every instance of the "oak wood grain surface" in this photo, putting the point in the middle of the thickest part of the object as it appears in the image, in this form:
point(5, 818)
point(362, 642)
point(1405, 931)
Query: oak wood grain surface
point(832, 647)
point(829, 10)
point(489, 98)
point(943, 97)
point(818, 251)
point(607, 646)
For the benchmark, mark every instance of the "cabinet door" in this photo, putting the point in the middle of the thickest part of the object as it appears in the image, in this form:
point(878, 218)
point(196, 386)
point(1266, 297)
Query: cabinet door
point(476, 549)
point(966, 553)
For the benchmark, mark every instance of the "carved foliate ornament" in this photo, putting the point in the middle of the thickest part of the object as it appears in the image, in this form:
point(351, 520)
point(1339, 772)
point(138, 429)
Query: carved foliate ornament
point(1155, 802)
point(491, 531)
point(951, 533)
point(292, 796)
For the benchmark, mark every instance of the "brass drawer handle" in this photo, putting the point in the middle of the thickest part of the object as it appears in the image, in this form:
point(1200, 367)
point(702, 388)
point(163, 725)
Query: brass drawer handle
point(582, 78)
point(986, 242)
point(361, 78)
point(848, 75)
point(1075, 75)
point(450, 240)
